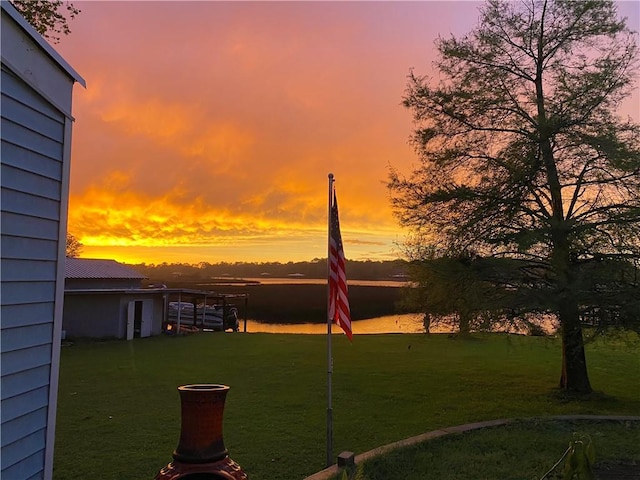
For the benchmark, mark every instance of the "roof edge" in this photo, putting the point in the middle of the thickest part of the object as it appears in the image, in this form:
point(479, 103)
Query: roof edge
point(42, 43)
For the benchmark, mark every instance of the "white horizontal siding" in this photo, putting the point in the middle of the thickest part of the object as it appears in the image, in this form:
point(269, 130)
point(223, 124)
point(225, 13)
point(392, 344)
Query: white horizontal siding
point(28, 270)
point(25, 403)
point(25, 359)
point(16, 293)
point(46, 125)
point(14, 87)
point(26, 314)
point(28, 204)
point(19, 338)
point(31, 183)
point(30, 227)
point(36, 87)
point(34, 248)
point(16, 428)
point(30, 444)
point(30, 139)
point(21, 383)
point(18, 157)
point(30, 467)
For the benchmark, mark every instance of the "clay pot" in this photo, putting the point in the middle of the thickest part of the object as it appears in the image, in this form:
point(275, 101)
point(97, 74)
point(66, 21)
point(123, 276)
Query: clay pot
point(201, 453)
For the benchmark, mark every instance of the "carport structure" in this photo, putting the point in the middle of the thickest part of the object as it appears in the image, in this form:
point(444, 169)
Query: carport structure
point(204, 298)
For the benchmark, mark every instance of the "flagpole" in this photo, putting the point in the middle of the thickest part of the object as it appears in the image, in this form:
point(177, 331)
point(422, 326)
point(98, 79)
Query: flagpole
point(329, 321)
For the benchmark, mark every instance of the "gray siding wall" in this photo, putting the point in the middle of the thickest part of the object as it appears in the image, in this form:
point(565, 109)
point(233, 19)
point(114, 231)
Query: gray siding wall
point(32, 173)
point(101, 315)
point(92, 315)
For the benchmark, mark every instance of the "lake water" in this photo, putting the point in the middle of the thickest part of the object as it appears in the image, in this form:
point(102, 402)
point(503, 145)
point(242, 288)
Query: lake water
point(407, 323)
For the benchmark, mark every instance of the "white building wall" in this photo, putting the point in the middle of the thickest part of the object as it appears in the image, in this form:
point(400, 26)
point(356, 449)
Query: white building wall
point(34, 175)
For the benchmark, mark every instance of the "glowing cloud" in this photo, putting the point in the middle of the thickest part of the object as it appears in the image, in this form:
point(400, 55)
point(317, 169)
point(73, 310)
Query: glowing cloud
point(207, 129)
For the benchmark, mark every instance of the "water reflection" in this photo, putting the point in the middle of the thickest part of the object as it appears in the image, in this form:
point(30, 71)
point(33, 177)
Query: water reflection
point(406, 323)
point(409, 323)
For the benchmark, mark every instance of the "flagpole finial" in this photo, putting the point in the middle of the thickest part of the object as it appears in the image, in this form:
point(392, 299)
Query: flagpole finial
point(331, 176)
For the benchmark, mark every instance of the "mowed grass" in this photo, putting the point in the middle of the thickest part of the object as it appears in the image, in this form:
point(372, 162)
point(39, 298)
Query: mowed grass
point(522, 450)
point(119, 410)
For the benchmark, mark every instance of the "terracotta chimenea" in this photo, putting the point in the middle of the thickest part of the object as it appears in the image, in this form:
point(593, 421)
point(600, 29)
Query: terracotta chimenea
point(201, 454)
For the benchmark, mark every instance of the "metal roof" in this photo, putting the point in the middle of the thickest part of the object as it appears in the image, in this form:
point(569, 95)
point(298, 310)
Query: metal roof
point(97, 268)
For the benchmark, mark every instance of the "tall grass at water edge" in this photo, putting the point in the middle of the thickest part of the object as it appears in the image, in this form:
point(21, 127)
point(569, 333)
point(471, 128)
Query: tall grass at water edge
point(119, 410)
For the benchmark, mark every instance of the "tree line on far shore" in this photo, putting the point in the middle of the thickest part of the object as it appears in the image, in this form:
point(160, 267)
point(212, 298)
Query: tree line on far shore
point(316, 268)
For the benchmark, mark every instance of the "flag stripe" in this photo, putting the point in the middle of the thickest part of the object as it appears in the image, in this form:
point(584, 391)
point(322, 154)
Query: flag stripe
point(339, 312)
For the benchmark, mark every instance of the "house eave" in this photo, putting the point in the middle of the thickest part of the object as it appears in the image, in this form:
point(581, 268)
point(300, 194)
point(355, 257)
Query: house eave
point(42, 43)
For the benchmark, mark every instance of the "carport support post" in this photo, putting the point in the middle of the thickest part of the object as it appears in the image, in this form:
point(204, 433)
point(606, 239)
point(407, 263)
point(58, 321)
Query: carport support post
point(204, 311)
point(246, 303)
point(179, 312)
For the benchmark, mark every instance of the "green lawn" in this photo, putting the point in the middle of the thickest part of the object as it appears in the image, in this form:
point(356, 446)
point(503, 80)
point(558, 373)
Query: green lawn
point(119, 411)
point(522, 450)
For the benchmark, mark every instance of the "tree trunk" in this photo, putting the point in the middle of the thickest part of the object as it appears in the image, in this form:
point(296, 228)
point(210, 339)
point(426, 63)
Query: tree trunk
point(574, 376)
point(426, 320)
point(464, 323)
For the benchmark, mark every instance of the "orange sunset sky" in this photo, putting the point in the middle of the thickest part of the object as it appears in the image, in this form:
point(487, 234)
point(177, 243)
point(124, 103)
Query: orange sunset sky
point(207, 129)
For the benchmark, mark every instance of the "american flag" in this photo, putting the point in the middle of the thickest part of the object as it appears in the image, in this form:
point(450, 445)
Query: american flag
point(338, 293)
